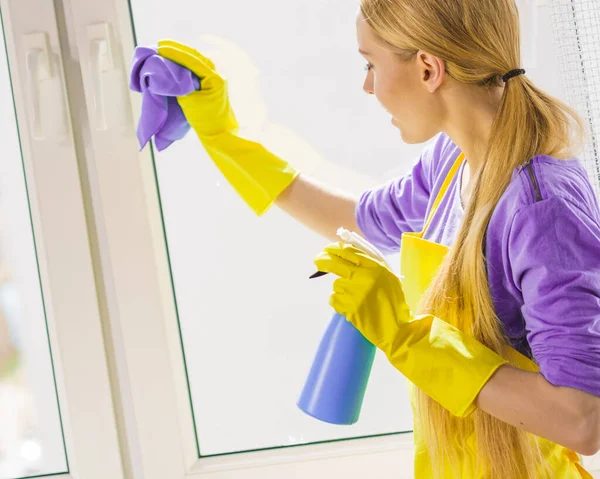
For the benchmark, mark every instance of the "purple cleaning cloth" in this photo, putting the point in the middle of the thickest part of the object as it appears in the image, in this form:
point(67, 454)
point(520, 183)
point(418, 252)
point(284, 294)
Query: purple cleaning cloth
point(160, 81)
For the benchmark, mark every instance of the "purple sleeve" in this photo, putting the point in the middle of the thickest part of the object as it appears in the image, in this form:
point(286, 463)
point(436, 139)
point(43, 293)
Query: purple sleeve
point(385, 212)
point(554, 252)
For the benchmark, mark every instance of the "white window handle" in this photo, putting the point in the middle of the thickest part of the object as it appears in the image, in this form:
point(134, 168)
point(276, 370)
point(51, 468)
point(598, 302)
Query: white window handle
point(38, 62)
point(101, 60)
point(47, 101)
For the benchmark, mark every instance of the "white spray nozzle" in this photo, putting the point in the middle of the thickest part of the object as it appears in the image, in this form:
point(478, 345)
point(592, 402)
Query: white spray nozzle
point(359, 242)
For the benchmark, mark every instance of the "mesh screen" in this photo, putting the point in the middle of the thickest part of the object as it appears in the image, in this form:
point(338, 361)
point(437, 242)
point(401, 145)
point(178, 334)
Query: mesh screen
point(577, 39)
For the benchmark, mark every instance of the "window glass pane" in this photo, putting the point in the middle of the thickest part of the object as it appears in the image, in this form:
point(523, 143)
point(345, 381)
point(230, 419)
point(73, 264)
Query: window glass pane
point(250, 318)
point(31, 438)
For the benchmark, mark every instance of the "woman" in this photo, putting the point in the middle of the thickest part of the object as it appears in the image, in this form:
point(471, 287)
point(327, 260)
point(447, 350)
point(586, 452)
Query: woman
point(503, 347)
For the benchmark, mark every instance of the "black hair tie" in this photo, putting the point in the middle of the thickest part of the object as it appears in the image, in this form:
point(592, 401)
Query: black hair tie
point(512, 73)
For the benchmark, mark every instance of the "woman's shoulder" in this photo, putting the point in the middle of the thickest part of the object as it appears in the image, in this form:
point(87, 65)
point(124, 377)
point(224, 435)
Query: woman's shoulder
point(544, 177)
point(545, 186)
point(546, 199)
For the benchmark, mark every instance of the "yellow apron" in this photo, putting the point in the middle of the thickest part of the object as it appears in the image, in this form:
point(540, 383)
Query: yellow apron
point(420, 260)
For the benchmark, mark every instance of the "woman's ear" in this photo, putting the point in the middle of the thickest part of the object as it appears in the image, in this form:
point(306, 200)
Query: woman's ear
point(433, 69)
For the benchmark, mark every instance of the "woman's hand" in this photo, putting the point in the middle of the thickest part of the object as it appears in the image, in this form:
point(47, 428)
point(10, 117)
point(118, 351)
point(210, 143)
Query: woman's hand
point(447, 364)
point(367, 292)
point(207, 110)
point(257, 175)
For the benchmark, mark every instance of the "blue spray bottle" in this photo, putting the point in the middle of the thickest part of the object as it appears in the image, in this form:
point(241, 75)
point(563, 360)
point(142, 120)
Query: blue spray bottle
point(337, 381)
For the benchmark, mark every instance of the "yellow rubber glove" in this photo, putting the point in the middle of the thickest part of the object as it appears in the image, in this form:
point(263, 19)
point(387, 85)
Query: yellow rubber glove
point(257, 175)
point(445, 363)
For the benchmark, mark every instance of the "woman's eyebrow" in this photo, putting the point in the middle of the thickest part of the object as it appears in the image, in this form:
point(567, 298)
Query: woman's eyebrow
point(364, 53)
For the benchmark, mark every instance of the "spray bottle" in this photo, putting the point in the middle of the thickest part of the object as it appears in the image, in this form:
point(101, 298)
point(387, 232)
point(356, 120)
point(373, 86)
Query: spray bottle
point(337, 381)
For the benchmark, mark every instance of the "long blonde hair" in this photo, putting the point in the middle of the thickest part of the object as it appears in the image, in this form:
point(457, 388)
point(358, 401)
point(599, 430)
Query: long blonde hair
point(479, 41)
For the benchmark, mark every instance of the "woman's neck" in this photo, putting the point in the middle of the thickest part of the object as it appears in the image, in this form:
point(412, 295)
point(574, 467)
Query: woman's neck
point(472, 113)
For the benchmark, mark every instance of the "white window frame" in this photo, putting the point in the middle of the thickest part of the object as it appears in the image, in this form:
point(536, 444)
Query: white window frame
point(65, 261)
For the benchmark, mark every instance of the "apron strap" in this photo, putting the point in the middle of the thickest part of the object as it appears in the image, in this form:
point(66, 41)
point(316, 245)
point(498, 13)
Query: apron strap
point(442, 191)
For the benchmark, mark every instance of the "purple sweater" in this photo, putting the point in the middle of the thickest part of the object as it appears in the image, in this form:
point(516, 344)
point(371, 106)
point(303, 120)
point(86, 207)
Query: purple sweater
point(542, 251)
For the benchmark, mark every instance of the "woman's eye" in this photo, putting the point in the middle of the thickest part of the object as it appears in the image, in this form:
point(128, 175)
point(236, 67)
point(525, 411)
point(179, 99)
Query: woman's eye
point(368, 66)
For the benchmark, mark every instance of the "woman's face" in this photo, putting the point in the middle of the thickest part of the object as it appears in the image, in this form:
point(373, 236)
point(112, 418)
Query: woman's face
point(404, 89)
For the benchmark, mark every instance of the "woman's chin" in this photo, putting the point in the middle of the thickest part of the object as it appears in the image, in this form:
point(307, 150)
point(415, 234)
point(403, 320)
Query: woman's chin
point(406, 139)
point(397, 126)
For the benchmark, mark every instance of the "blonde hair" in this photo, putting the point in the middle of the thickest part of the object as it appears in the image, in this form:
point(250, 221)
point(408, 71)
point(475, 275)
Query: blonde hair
point(479, 41)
